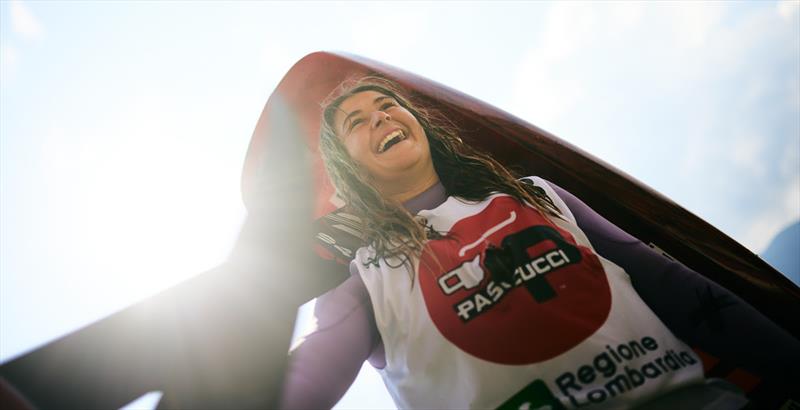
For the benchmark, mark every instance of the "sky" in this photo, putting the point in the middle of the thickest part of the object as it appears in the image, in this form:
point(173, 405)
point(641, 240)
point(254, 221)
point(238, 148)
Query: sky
point(124, 125)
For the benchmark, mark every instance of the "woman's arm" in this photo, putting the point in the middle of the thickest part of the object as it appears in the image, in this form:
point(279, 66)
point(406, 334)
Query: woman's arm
point(696, 309)
point(326, 362)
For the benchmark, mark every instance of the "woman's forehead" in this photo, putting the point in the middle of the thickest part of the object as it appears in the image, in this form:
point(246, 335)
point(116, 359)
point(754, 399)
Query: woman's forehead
point(358, 101)
point(361, 98)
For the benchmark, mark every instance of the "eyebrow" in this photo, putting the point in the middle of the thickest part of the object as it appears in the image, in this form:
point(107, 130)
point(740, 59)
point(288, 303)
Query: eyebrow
point(356, 112)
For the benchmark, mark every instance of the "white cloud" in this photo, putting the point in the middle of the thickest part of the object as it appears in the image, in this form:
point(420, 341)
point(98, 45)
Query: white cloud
point(586, 47)
point(274, 62)
point(388, 32)
point(789, 165)
point(748, 154)
point(697, 23)
point(672, 93)
point(770, 221)
point(787, 9)
point(8, 56)
point(794, 93)
point(541, 95)
point(791, 198)
point(780, 208)
point(9, 59)
point(23, 21)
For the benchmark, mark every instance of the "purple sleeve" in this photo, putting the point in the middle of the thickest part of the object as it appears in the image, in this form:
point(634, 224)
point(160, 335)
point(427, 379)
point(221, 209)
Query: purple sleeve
point(324, 365)
point(696, 309)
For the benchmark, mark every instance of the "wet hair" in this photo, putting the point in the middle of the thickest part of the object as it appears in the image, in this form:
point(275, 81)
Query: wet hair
point(464, 171)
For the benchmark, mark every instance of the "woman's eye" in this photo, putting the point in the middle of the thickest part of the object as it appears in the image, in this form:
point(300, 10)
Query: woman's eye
point(387, 105)
point(355, 122)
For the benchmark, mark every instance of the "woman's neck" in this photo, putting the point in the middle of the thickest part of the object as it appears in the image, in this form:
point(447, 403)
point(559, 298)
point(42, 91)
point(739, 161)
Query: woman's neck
point(411, 189)
point(430, 198)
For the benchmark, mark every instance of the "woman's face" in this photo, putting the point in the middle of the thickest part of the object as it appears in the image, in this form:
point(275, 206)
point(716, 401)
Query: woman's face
point(386, 140)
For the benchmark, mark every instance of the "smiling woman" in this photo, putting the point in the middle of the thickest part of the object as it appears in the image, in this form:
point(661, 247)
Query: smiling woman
point(374, 181)
point(386, 140)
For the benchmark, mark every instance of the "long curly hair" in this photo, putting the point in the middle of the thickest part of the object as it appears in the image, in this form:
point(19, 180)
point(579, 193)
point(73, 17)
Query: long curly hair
point(465, 173)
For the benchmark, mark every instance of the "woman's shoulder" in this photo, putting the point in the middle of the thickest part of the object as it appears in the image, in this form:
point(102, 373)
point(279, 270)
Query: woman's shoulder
point(546, 189)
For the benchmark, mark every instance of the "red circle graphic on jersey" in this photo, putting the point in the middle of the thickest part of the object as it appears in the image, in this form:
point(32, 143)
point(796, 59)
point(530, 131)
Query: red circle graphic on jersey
point(508, 286)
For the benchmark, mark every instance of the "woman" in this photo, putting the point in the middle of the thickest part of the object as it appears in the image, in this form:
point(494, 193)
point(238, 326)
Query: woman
point(481, 290)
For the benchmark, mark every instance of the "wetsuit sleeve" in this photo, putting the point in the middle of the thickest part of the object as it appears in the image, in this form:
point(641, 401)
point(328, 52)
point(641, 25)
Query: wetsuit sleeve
point(696, 309)
point(323, 366)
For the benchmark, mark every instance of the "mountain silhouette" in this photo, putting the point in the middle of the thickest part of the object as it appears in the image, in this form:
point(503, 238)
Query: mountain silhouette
point(783, 253)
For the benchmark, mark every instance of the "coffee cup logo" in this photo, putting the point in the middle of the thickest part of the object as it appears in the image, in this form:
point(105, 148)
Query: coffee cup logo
point(508, 286)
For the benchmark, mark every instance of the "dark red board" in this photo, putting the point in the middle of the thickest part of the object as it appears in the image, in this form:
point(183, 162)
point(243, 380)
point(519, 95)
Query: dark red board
point(622, 199)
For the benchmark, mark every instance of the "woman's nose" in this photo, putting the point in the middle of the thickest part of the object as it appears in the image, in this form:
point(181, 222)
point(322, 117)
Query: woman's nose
point(379, 117)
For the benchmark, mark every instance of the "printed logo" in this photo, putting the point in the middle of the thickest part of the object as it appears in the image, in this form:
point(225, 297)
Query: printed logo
point(535, 396)
point(508, 286)
point(617, 370)
point(613, 372)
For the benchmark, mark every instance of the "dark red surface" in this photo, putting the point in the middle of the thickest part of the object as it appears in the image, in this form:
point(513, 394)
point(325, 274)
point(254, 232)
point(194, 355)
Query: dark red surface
point(11, 399)
point(620, 198)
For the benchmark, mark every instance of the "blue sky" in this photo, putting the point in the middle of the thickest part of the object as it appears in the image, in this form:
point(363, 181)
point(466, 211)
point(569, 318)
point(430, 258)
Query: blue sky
point(123, 125)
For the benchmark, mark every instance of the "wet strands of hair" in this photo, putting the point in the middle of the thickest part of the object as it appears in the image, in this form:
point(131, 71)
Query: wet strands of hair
point(464, 172)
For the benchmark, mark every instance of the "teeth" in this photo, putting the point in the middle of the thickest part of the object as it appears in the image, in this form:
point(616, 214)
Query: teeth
point(388, 138)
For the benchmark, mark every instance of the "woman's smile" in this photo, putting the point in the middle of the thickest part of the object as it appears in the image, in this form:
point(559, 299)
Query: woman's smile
point(390, 140)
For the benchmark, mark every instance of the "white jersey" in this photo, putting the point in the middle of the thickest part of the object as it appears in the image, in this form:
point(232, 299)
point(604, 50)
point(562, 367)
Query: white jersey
point(512, 309)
